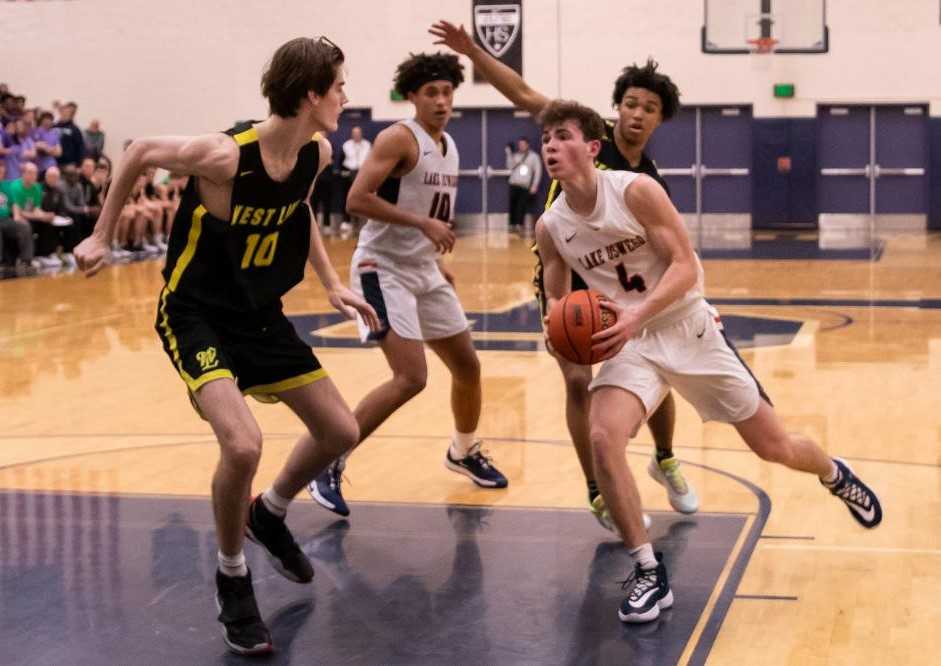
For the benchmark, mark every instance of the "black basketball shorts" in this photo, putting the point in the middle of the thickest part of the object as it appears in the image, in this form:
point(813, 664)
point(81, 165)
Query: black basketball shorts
point(261, 352)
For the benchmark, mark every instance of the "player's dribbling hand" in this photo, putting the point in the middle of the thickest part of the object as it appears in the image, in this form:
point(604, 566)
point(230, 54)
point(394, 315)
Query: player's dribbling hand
point(91, 255)
point(452, 36)
point(545, 332)
point(609, 341)
point(349, 304)
point(439, 233)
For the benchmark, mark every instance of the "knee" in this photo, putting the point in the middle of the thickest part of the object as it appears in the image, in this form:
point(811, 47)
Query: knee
point(411, 383)
point(605, 448)
point(241, 450)
point(345, 436)
point(469, 370)
point(775, 450)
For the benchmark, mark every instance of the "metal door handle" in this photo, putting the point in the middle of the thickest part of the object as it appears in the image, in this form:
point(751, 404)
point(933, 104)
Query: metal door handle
point(678, 172)
point(845, 172)
point(903, 171)
point(723, 172)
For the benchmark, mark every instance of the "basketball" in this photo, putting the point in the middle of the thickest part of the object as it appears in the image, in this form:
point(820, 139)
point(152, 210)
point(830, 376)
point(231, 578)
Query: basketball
point(573, 320)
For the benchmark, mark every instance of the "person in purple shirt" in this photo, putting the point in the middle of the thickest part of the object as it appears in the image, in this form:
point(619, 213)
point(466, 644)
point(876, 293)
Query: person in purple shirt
point(21, 148)
point(48, 146)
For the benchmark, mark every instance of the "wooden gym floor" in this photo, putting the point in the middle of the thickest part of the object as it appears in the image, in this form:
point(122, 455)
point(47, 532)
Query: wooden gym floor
point(106, 543)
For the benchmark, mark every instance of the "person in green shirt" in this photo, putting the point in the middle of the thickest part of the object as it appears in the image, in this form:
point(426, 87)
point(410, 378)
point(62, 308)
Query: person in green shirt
point(17, 234)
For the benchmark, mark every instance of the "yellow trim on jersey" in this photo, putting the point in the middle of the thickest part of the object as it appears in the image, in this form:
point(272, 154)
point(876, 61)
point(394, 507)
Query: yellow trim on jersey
point(286, 384)
point(316, 137)
point(248, 136)
point(550, 198)
point(186, 256)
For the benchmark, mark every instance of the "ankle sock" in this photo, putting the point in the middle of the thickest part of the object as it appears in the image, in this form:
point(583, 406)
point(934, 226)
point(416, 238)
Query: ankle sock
point(275, 503)
point(232, 565)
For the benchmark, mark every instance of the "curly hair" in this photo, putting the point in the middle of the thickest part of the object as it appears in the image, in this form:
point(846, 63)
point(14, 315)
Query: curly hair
point(589, 122)
point(647, 77)
point(420, 68)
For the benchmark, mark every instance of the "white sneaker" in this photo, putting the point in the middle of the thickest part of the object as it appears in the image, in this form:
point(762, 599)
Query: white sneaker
point(346, 228)
point(69, 260)
point(667, 473)
point(149, 247)
point(600, 511)
point(51, 261)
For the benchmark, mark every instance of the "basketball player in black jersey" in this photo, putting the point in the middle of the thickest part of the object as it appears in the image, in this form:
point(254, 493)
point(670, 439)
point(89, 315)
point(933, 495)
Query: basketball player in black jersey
point(239, 242)
point(643, 98)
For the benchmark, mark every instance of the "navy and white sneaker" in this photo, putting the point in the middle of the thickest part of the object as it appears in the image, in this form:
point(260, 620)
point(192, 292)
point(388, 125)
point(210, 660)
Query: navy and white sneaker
point(242, 628)
point(648, 592)
point(478, 466)
point(270, 532)
point(862, 502)
point(325, 489)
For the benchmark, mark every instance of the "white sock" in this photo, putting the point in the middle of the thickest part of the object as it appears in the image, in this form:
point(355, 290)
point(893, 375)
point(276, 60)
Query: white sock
point(461, 443)
point(833, 477)
point(275, 503)
point(233, 565)
point(644, 556)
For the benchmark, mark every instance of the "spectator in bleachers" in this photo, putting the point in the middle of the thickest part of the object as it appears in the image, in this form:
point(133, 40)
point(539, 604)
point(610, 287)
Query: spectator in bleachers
point(61, 234)
point(76, 206)
point(16, 238)
point(23, 149)
point(27, 197)
point(73, 143)
point(94, 140)
point(92, 188)
point(7, 108)
point(46, 140)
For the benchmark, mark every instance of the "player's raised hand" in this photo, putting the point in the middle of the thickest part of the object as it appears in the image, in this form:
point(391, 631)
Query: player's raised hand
point(349, 304)
point(609, 341)
point(439, 233)
point(452, 36)
point(91, 255)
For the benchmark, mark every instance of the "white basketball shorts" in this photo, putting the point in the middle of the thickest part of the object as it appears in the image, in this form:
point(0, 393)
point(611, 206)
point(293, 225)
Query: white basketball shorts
point(694, 357)
point(412, 299)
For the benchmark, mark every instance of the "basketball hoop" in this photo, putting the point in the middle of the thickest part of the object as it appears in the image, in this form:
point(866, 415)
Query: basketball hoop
point(762, 45)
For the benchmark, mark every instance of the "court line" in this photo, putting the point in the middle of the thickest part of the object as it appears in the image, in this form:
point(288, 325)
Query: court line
point(519, 440)
point(707, 627)
point(766, 597)
point(853, 549)
point(785, 536)
point(734, 572)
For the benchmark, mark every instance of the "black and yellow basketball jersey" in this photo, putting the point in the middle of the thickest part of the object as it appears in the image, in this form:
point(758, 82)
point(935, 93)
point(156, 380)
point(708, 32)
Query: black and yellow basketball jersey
point(611, 158)
point(252, 259)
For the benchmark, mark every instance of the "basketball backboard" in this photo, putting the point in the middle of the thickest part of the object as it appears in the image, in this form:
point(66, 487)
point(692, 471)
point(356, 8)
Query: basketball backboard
point(748, 26)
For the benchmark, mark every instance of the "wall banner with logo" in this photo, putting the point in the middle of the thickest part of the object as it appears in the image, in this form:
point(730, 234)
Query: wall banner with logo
point(498, 29)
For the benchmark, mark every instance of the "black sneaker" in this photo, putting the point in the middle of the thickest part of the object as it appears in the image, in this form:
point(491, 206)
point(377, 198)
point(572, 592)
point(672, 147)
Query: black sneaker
point(477, 466)
point(242, 628)
point(269, 531)
point(859, 498)
point(325, 489)
point(648, 592)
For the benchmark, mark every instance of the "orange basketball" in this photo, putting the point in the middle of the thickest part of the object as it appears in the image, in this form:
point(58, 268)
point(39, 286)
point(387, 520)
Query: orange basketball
point(572, 322)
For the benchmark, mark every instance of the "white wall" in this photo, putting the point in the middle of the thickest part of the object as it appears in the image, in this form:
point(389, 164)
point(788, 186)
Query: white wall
point(190, 66)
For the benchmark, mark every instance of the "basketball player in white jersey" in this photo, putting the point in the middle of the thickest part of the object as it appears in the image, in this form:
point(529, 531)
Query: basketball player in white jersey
point(407, 188)
point(622, 235)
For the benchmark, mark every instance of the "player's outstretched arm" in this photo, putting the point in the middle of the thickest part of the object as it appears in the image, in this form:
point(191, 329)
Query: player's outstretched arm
point(394, 150)
point(510, 84)
point(211, 156)
point(340, 296)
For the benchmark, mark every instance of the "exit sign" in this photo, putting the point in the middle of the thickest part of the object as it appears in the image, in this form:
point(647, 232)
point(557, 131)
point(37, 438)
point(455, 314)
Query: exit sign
point(783, 89)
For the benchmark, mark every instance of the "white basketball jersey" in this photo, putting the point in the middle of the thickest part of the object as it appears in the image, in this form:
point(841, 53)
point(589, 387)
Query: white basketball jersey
point(610, 250)
point(429, 190)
